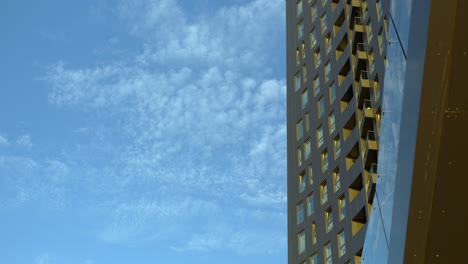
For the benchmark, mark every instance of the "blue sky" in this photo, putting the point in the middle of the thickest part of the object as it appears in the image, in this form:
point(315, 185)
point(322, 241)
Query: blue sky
point(142, 131)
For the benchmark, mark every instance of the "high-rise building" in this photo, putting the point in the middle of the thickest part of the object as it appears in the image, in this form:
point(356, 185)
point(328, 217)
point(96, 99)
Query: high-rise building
point(376, 116)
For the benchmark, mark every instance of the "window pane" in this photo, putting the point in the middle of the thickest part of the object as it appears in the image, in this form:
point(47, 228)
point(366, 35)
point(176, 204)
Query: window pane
point(297, 81)
point(300, 213)
point(332, 92)
point(329, 219)
point(324, 161)
point(304, 99)
point(314, 259)
point(299, 8)
point(302, 182)
point(300, 30)
point(328, 253)
point(341, 243)
point(331, 122)
point(307, 149)
point(319, 136)
point(310, 204)
point(301, 242)
point(314, 234)
point(299, 157)
point(299, 130)
point(321, 107)
point(323, 192)
point(316, 84)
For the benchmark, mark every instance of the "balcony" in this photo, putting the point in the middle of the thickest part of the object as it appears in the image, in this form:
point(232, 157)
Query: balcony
point(357, 25)
point(366, 120)
point(370, 181)
point(371, 151)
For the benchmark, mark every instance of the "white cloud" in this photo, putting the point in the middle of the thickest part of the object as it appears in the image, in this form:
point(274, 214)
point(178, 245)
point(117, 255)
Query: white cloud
point(45, 258)
point(25, 141)
point(196, 118)
point(3, 141)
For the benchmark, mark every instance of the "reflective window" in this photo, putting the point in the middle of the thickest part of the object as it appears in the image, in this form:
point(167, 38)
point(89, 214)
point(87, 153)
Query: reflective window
point(299, 157)
point(337, 147)
point(324, 161)
point(307, 125)
point(332, 89)
point(314, 234)
point(319, 136)
point(328, 44)
point(313, 12)
point(317, 58)
point(336, 179)
point(342, 206)
point(300, 242)
point(304, 100)
point(302, 182)
point(297, 81)
point(313, 38)
point(328, 253)
point(313, 259)
point(371, 61)
point(324, 22)
point(298, 57)
point(323, 192)
point(299, 129)
point(299, 8)
point(316, 84)
point(379, 9)
point(341, 243)
point(329, 219)
point(328, 73)
point(370, 34)
point(309, 172)
point(300, 30)
point(300, 213)
point(307, 149)
point(331, 122)
point(310, 204)
point(321, 107)
point(303, 50)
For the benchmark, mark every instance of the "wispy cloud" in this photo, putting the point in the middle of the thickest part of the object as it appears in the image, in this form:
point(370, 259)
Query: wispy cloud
point(25, 141)
point(3, 141)
point(45, 258)
point(192, 129)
